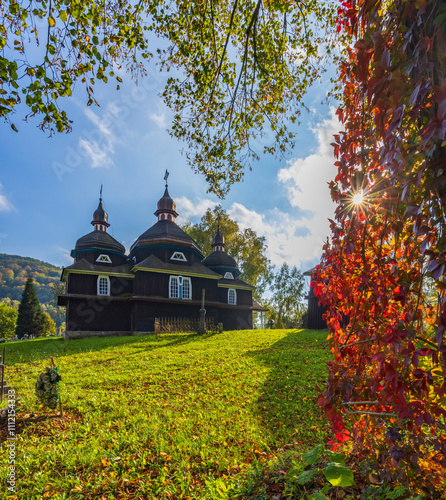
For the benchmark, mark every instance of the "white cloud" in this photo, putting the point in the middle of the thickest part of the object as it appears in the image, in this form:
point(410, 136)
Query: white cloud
point(296, 236)
point(98, 156)
point(288, 238)
point(98, 143)
point(159, 120)
point(5, 204)
point(65, 255)
point(189, 209)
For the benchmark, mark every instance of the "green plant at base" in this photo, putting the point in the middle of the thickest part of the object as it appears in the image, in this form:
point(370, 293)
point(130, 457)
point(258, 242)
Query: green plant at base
point(336, 472)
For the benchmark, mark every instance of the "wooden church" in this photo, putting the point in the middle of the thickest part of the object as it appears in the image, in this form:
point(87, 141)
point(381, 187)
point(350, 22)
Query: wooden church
point(164, 275)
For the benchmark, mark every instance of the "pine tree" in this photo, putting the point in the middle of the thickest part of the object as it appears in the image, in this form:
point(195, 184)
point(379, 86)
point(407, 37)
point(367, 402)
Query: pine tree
point(30, 318)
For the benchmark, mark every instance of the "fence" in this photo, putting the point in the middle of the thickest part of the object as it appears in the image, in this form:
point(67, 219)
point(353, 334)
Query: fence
point(169, 325)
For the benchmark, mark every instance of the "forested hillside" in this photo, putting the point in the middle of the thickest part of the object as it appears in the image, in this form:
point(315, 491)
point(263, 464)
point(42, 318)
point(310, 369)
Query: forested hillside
point(13, 273)
point(15, 269)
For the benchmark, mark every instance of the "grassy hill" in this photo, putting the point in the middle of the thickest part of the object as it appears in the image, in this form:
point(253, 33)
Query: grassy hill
point(170, 416)
point(15, 269)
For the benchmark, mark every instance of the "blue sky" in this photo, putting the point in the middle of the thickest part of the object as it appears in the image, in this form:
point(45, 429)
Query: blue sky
point(49, 187)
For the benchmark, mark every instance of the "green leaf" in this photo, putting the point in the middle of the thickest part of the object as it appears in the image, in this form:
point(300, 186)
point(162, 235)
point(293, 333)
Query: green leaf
point(63, 15)
point(317, 496)
point(306, 476)
point(325, 489)
point(311, 457)
point(339, 474)
point(14, 127)
point(339, 458)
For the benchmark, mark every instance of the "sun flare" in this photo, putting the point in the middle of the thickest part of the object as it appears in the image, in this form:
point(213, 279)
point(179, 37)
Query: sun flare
point(358, 198)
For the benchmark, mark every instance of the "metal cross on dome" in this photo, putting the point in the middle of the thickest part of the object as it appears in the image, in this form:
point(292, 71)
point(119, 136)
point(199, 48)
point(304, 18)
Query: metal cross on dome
point(166, 175)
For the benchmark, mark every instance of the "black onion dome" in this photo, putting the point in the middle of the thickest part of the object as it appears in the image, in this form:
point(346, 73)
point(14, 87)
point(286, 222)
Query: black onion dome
point(100, 215)
point(166, 204)
point(220, 262)
point(166, 231)
point(99, 240)
point(219, 239)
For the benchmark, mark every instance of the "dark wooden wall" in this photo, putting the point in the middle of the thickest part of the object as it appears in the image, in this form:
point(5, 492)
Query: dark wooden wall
point(87, 284)
point(148, 284)
point(244, 297)
point(315, 313)
point(98, 315)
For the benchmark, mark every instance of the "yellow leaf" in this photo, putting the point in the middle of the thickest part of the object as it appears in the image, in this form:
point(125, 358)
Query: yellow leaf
point(51, 21)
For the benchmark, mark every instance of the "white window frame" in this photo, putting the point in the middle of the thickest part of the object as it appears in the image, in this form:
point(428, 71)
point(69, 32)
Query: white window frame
point(179, 256)
point(100, 291)
point(174, 287)
point(234, 294)
point(177, 289)
point(229, 276)
point(188, 288)
point(105, 259)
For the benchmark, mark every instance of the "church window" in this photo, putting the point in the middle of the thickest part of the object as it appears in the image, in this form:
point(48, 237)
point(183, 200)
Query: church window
point(232, 296)
point(174, 287)
point(104, 258)
point(178, 256)
point(187, 289)
point(229, 276)
point(180, 288)
point(103, 285)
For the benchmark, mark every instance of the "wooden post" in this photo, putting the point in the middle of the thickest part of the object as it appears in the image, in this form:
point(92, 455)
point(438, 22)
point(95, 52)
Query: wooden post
point(60, 400)
point(202, 323)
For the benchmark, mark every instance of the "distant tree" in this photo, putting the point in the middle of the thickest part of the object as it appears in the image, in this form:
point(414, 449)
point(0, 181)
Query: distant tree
point(48, 325)
point(10, 302)
point(286, 303)
point(30, 318)
point(8, 321)
point(56, 289)
point(248, 249)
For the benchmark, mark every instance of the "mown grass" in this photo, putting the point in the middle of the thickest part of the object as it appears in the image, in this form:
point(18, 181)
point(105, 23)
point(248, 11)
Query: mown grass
point(171, 416)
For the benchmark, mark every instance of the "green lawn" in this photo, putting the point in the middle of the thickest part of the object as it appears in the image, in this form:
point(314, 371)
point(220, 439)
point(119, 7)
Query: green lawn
point(172, 416)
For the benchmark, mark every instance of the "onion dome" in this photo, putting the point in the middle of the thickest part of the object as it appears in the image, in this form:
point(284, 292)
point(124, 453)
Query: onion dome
point(100, 218)
point(218, 244)
point(219, 261)
point(98, 239)
point(166, 208)
point(165, 232)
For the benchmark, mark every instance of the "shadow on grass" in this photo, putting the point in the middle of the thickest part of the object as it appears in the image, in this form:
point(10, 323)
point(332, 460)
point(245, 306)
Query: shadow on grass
point(287, 406)
point(35, 350)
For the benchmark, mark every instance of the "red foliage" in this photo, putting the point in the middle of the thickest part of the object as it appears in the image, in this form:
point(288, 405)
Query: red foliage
point(384, 267)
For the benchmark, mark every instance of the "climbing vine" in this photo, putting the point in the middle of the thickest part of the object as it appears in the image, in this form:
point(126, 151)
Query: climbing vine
point(382, 274)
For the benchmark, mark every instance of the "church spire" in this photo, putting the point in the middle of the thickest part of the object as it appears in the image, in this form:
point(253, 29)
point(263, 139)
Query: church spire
point(218, 244)
point(166, 206)
point(100, 216)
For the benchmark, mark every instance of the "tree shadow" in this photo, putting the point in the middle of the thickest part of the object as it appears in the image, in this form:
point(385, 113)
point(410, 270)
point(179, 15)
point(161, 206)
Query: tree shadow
point(287, 405)
point(36, 350)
